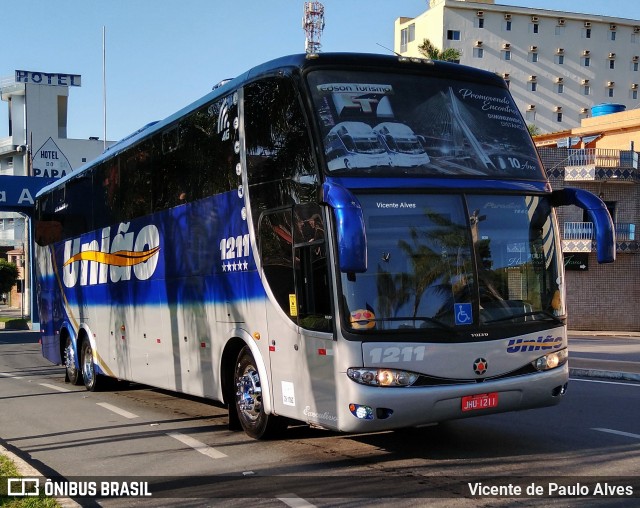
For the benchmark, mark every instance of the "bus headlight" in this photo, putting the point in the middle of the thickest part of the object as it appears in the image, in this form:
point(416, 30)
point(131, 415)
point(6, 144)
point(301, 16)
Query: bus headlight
point(552, 360)
point(382, 377)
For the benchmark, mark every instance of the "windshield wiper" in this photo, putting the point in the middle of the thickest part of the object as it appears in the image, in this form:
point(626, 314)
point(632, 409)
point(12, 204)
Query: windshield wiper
point(544, 313)
point(419, 318)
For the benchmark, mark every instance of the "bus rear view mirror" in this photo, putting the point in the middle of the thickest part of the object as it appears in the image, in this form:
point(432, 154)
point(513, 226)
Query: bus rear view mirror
point(350, 230)
point(604, 230)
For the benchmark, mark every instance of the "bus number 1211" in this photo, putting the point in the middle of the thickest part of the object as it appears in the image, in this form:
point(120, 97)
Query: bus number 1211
point(396, 354)
point(234, 247)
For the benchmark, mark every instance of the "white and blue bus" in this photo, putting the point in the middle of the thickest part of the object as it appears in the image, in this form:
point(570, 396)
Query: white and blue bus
point(229, 252)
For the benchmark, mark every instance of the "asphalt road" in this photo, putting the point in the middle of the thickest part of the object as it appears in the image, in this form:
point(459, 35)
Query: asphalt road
point(183, 444)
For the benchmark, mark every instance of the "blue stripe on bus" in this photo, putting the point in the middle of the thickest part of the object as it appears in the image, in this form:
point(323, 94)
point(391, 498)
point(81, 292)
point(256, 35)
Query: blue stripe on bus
point(204, 256)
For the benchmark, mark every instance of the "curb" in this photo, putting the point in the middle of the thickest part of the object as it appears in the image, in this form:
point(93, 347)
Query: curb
point(604, 374)
point(26, 470)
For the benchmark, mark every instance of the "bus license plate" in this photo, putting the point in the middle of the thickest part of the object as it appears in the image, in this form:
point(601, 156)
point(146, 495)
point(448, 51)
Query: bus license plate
point(481, 401)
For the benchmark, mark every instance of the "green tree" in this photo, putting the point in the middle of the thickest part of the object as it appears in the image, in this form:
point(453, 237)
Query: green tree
point(430, 51)
point(533, 129)
point(8, 275)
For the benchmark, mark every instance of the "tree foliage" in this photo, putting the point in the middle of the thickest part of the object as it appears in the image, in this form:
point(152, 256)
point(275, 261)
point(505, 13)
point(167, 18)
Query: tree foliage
point(430, 51)
point(8, 275)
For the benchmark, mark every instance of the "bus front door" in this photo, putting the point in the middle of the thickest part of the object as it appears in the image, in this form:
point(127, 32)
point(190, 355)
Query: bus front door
point(301, 344)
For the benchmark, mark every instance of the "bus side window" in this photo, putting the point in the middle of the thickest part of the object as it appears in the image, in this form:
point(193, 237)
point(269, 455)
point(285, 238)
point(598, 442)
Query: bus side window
point(276, 251)
point(73, 206)
point(280, 164)
point(47, 229)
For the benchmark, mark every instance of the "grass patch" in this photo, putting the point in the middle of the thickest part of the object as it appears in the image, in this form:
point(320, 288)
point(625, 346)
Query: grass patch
point(12, 323)
point(8, 470)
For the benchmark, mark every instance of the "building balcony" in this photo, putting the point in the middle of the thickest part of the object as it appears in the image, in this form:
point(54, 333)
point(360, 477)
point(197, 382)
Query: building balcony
point(579, 237)
point(598, 164)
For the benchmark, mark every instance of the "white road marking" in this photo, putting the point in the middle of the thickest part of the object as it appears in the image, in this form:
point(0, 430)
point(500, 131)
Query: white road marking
point(294, 501)
point(4, 374)
point(117, 410)
point(197, 445)
point(619, 433)
point(630, 383)
point(55, 387)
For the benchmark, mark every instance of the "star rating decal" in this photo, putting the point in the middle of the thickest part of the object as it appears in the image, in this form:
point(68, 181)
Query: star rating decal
point(235, 266)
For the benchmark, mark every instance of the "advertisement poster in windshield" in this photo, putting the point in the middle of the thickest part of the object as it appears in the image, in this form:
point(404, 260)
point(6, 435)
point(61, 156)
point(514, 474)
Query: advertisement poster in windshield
point(416, 125)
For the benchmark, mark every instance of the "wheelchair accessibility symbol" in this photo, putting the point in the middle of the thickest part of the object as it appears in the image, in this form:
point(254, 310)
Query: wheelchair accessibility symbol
point(463, 313)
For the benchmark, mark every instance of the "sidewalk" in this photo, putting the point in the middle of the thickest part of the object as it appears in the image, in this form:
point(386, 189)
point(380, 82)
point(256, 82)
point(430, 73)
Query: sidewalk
point(595, 360)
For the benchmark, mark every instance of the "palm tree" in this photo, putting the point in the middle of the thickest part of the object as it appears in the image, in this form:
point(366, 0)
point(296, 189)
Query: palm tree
point(430, 51)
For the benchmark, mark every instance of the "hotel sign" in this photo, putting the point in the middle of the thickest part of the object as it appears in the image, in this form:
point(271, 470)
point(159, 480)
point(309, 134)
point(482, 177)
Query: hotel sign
point(48, 78)
point(50, 162)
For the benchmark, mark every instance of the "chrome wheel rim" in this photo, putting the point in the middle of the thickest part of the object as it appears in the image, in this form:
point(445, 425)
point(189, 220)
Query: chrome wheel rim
point(249, 394)
point(87, 366)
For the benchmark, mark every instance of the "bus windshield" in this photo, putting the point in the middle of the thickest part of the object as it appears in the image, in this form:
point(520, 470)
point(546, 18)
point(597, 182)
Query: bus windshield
point(377, 123)
point(448, 261)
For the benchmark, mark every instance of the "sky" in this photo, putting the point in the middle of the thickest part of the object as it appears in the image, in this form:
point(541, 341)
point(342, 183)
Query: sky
point(161, 55)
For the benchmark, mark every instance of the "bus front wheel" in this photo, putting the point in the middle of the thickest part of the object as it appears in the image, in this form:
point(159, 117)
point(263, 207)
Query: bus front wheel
point(249, 400)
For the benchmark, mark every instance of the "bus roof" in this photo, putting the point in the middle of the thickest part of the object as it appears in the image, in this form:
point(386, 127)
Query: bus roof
point(300, 62)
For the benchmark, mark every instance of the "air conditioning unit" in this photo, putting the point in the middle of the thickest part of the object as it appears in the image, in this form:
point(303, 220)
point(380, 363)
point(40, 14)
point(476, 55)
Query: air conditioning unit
point(636, 29)
point(560, 51)
point(505, 75)
point(478, 44)
point(612, 55)
point(586, 52)
point(531, 107)
point(613, 27)
point(533, 49)
point(559, 80)
point(561, 22)
point(534, 19)
point(587, 24)
point(558, 109)
point(583, 111)
point(634, 86)
point(585, 81)
point(533, 78)
point(611, 84)
point(506, 45)
point(480, 14)
point(507, 17)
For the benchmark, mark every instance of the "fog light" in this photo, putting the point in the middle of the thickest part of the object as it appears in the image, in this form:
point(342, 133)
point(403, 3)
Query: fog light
point(361, 412)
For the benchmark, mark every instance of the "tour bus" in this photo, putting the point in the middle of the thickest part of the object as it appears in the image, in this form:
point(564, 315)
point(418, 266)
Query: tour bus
point(222, 253)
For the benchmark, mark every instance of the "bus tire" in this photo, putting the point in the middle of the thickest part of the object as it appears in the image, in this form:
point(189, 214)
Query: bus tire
point(72, 373)
point(248, 400)
point(90, 378)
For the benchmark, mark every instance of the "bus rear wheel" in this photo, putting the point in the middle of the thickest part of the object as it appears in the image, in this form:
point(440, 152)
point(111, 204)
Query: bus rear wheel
point(72, 372)
point(249, 400)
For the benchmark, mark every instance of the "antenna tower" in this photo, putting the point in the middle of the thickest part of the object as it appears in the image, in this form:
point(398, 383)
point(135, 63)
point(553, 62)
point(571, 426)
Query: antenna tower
point(313, 24)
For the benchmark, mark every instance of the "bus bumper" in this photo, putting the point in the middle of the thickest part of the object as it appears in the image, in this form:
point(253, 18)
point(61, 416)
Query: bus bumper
point(365, 409)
